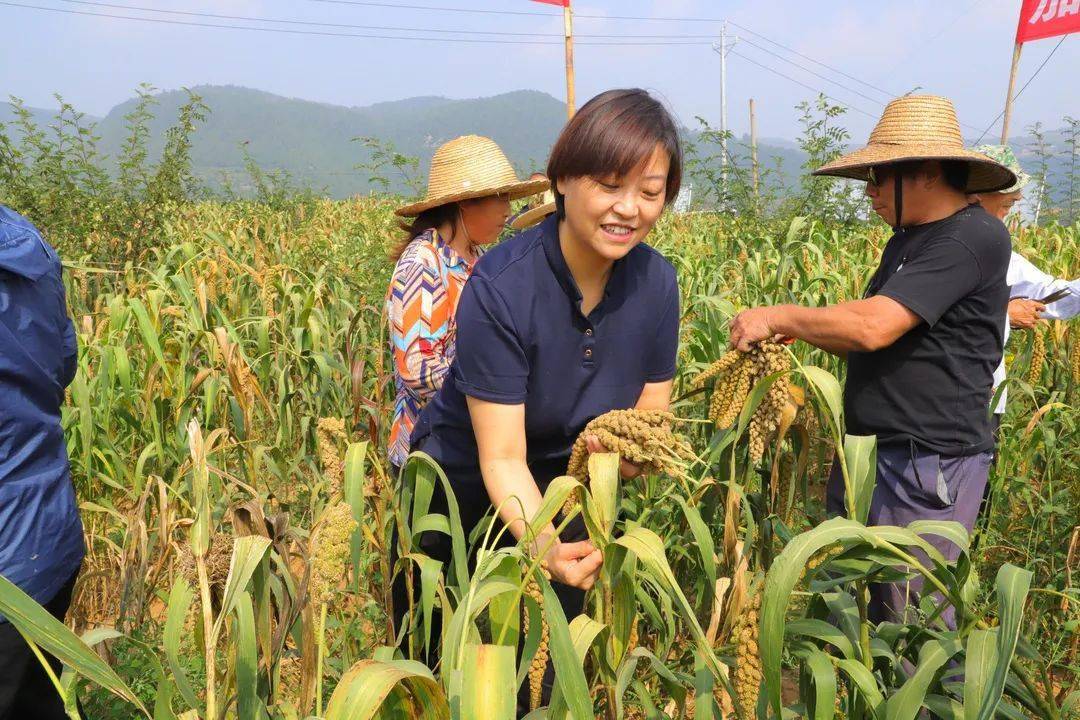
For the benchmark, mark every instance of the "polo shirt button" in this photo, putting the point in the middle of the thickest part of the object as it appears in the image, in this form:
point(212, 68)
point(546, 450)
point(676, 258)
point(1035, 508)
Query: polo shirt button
point(588, 331)
point(588, 353)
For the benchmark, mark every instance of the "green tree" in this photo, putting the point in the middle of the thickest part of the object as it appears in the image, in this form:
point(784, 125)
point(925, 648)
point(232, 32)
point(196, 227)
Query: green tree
point(823, 139)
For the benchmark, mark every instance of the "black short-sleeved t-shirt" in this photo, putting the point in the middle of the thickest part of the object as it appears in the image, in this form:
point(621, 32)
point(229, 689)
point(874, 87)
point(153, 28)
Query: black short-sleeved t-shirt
point(522, 339)
point(933, 385)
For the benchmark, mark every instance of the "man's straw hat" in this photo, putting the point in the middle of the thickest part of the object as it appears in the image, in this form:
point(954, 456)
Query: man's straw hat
point(470, 167)
point(534, 215)
point(920, 127)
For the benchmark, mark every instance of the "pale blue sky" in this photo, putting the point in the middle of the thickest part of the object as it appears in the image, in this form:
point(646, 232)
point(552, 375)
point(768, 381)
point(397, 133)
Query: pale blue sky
point(959, 48)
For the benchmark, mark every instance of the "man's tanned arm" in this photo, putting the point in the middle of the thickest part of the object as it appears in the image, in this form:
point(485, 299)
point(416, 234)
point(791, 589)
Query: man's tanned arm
point(859, 325)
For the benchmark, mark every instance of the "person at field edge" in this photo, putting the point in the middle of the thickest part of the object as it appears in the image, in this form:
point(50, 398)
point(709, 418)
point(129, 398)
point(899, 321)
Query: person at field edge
point(41, 536)
point(559, 324)
point(470, 186)
point(513, 223)
point(1027, 283)
point(923, 342)
point(533, 215)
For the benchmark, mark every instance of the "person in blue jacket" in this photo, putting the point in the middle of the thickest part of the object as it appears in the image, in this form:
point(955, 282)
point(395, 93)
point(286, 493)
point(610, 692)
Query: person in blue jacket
point(41, 536)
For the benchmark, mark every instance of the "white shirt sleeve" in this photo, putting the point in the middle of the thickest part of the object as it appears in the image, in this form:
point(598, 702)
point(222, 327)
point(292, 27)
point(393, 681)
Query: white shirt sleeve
point(1026, 280)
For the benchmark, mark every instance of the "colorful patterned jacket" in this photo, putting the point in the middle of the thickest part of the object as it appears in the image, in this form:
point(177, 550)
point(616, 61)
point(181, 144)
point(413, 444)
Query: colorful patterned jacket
point(421, 303)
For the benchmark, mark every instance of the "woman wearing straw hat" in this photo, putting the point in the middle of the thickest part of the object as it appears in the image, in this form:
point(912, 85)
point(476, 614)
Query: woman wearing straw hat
point(561, 323)
point(923, 342)
point(470, 186)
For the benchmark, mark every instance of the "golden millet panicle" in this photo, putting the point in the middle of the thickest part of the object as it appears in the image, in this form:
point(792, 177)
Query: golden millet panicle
point(1038, 357)
point(328, 431)
point(725, 363)
point(766, 419)
point(540, 660)
point(329, 551)
point(635, 638)
point(1074, 360)
point(748, 675)
point(644, 437)
point(267, 289)
point(730, 391)
point(737, 373)
point(819, 558)
point(246, 383)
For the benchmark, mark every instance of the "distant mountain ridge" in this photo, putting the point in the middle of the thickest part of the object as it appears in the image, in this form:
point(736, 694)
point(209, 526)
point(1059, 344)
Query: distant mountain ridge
point(315, 143)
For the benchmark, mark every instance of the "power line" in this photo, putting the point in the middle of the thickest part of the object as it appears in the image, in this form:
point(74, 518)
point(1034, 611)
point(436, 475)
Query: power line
point(660, 40)
point(834, 82)
point(1021, 91)
point(887, 93)
point(437, 8)
point(370, 3)
point(935, 36)
point(312, 23)
point(812, 72)
point(533, 13)
point(807, 57)
point(308, 23)
point(286, 31)
point(800, 82)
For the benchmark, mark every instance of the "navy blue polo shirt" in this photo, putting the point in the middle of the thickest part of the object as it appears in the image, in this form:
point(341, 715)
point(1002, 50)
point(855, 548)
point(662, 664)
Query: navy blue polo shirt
point(522, 339)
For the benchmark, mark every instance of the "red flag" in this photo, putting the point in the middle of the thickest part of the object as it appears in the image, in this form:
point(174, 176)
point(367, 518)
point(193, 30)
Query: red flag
point(560, 3)
point(1046, 18)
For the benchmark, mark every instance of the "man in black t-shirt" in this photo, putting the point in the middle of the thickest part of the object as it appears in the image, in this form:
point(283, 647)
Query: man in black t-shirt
point(923, 342)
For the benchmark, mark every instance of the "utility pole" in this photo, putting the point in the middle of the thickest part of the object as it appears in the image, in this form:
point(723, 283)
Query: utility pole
point(723, 105)
point(723, 48)
point(1009, 94)
point(753, 148)
point(568, 31)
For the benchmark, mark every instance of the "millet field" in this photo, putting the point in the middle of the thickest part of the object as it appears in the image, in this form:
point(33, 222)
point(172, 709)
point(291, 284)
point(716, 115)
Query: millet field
point(227, 431)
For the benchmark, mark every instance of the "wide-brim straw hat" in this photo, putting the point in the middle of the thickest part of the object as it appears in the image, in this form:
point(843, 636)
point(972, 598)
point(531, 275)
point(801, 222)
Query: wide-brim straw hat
point(534, 215)
point(920, 127)
point(469, 167)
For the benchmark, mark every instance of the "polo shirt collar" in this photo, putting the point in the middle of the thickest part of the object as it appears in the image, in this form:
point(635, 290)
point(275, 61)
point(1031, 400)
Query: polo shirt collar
point(549, 237)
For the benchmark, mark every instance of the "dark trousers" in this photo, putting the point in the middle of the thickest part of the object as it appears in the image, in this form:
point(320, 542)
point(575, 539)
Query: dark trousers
point(25, 688)
point(986, 506)
point(917, 484)
point(475, 507)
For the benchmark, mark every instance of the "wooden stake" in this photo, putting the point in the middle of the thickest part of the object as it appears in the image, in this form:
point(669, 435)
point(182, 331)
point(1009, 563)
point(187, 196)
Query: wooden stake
point(568, 30)
point(753, 146)
point(1009, 95)
point(723, 111)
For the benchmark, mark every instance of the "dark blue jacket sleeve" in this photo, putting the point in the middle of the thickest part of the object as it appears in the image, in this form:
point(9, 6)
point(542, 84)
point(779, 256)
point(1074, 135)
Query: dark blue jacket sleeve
point(660, 365)
point(69, 343)
point(491, 363)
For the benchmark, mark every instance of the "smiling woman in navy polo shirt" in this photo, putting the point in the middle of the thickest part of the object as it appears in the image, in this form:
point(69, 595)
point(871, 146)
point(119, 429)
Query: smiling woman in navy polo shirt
point(562, 323)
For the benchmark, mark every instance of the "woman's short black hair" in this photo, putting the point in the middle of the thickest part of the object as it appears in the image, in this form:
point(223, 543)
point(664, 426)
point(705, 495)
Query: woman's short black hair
point(613, 134)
